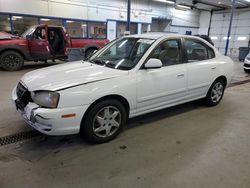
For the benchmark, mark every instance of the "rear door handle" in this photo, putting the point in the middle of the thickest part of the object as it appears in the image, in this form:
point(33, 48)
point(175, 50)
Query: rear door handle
point(213, 68)
point(180, 75)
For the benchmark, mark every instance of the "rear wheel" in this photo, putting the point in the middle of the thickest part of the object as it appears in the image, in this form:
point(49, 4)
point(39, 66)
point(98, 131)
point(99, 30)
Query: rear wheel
point(104, 121)
point(11, 60)
point(215, 93)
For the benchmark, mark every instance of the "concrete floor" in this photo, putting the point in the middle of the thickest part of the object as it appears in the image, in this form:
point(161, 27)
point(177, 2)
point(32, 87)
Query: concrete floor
point(186, 146)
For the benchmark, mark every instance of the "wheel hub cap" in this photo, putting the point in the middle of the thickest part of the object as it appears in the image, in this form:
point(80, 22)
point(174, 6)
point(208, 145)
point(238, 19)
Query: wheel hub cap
point(107, 121)
point(217, 92)
point(11, 60)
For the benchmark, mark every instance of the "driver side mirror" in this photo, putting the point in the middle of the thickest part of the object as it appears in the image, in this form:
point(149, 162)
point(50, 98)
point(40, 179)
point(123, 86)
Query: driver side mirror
point(153, 63)
point(29, 37)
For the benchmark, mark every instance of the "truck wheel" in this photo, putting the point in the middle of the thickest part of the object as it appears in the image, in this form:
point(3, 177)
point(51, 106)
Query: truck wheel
point(11, 60)
point(89, 52)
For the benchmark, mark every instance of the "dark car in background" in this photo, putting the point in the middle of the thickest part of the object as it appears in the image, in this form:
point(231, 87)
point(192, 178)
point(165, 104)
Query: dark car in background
point(205, 37)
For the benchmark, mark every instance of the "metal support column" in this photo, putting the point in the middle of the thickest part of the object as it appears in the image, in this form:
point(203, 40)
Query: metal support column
point(230, 26)
point(128, 15)
point(11, 25)
point(210, 22)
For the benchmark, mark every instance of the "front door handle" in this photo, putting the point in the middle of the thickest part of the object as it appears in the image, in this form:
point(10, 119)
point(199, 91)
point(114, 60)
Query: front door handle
point(213, 68)
point(180, 75)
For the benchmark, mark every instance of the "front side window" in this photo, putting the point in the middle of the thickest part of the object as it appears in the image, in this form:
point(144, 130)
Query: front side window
point(198, 51)
point(124, 53)
point(169, 52)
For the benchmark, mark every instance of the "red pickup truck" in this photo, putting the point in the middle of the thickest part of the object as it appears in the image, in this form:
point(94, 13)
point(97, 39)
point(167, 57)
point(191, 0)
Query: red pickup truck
point(41, 43)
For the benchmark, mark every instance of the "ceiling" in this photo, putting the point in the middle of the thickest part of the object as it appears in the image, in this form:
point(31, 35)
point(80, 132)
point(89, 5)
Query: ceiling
point(221, 4)
point(210, 4)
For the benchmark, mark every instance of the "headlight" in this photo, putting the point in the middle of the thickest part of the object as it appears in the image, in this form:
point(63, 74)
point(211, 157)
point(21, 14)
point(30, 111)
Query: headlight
point(47, 99)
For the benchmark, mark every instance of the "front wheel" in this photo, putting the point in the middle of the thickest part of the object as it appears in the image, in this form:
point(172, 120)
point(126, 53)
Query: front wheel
point(104, 121)
point(11, 60)
point(215, 93)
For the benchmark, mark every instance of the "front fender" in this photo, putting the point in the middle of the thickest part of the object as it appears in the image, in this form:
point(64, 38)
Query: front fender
point(21, 49)
point(89, 93)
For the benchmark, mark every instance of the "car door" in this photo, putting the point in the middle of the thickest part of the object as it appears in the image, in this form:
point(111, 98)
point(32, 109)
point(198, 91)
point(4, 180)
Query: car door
point(38, 44)
point(201, 67)
point(165, 86)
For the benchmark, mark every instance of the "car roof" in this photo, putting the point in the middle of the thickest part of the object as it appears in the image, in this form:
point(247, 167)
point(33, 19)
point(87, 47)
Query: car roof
point(157, 35)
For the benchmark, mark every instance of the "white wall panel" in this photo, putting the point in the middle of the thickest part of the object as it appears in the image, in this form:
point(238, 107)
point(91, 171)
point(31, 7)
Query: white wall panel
point(102, 10)
point(111, 33)
point(240, 27)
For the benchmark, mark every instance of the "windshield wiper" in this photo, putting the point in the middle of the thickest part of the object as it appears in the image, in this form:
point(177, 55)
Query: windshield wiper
point(97, 61)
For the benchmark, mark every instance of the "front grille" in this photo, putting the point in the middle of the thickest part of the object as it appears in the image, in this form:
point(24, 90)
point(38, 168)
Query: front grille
point(23, 96)
point(20, 90)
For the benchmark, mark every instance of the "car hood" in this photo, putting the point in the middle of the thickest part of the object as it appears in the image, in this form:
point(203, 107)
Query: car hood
point(4, 36)
point(68, 75)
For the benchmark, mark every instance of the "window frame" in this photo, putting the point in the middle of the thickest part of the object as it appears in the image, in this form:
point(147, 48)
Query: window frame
point(201, 43)
point(182, 55)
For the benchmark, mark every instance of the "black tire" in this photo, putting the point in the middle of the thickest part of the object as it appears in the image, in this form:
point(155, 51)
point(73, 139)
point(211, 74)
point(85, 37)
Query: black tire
point(210, 100)
point(89, 52)
point(11, 60)
point(247, 70)
point(90, 121)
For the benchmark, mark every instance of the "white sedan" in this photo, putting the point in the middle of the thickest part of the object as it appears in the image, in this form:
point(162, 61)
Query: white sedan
point(131, 76)
point(247, 64)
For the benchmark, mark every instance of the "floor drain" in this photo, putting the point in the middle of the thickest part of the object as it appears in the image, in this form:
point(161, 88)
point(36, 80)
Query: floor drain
point(18, 137)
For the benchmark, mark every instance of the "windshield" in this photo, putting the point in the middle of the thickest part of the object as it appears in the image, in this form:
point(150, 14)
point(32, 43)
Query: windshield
point(123, 54)
point(28, 31)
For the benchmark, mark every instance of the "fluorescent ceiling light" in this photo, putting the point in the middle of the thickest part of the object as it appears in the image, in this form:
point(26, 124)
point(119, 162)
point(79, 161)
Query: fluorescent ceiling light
point(17, 17)
point(242, 38)
point(45, 19)
point(12, 19)
point(166, 1)
point(183, 6)
point(214, 37)
point(70, 21)
point(225, 38)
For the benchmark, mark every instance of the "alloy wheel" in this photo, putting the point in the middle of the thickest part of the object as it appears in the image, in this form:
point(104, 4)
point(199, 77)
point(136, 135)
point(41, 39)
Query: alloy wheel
point(107, 121)
point(11, 60)
point(217, 92)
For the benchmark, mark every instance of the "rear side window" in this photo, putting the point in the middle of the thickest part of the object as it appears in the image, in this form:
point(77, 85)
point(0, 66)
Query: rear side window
point(198, 51)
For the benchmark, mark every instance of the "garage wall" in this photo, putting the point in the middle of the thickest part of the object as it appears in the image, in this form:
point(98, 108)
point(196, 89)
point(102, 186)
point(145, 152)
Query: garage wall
point(204, 22)
point(240, 30)
point(142, 11)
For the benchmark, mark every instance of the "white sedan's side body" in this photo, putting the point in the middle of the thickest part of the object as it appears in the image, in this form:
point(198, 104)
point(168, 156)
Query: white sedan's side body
point(82, 84)
point(247, 63)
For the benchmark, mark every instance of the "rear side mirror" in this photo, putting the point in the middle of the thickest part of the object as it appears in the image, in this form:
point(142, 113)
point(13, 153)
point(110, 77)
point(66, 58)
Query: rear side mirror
point(153, 63)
